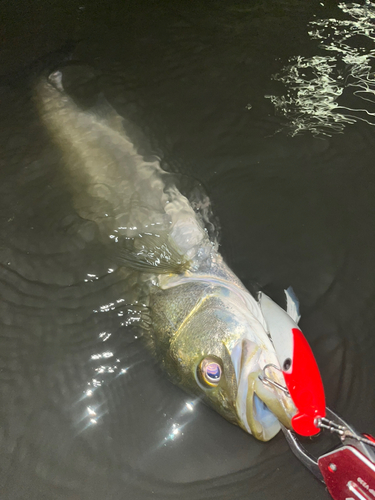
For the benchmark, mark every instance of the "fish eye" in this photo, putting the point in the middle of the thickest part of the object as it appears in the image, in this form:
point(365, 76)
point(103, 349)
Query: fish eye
point(209, 372)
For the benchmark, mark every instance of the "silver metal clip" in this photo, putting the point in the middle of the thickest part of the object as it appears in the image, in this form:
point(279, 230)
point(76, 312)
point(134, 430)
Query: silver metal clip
point(344, 431)
point(336, 425)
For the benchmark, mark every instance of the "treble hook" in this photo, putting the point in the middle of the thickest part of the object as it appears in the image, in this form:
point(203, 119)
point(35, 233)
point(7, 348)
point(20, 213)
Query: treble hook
point(268, 381)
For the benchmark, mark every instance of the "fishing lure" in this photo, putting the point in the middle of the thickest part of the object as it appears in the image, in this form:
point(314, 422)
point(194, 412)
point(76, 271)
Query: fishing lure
point(348, 471)
point(299, 368)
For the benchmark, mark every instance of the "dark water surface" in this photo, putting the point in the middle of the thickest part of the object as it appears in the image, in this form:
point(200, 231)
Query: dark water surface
point(85, 413)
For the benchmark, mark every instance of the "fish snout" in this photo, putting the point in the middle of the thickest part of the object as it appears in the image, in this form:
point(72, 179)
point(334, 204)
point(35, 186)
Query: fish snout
point(260, 408)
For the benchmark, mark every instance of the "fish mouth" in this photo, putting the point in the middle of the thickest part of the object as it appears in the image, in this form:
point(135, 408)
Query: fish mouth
point(260, 408)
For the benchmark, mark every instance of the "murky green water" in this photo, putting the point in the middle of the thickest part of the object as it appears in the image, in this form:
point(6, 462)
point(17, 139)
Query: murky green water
point(85, 412)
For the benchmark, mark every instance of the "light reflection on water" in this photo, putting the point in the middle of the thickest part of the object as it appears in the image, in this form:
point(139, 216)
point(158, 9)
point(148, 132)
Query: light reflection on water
point(108, 365)
point(183, 418)
point(104, 372)
point(315, 84)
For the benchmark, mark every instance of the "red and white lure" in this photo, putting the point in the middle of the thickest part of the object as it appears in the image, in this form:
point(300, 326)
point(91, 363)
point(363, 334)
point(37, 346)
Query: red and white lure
point(348, 471)
point(297, 362)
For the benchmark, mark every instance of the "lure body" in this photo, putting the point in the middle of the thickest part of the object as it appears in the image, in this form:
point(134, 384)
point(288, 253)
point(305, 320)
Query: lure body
point(297, 362)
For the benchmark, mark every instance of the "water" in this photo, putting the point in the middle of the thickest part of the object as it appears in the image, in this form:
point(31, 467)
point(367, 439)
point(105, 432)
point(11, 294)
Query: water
point(85, 412)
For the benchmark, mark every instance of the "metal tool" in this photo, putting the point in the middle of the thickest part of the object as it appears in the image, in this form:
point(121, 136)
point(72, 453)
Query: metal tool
point(348, 470)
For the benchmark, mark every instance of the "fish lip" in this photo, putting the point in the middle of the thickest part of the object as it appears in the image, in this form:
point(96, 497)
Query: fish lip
point(260, 421)
point(278, 404)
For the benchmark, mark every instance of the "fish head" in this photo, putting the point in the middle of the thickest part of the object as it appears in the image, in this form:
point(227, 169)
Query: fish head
point(214, 346)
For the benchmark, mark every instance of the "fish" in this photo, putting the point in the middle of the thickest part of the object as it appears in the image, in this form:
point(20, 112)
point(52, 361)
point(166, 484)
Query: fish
point(209, 333)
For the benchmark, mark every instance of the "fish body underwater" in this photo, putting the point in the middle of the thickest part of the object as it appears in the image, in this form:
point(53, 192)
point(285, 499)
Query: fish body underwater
point(208, 332)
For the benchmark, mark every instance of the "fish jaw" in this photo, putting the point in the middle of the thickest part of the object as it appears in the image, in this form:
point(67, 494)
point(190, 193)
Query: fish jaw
point(259, 408)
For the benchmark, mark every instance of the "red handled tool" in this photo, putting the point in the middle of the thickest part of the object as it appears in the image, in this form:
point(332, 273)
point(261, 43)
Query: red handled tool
point(348, 471)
